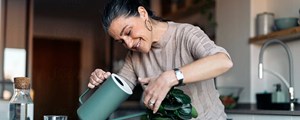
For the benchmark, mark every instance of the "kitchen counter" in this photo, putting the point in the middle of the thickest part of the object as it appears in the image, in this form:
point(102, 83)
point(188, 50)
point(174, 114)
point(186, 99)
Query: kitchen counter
point(252, 109)
point(243, 109)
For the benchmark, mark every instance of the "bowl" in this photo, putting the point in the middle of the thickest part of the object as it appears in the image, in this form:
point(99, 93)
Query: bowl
point(285, 23)
point(229, 96)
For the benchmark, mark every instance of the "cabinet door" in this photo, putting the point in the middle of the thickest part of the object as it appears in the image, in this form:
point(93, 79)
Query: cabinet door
point(295, 118)
point(239, 117)
point(272, 117)
point(260, 117)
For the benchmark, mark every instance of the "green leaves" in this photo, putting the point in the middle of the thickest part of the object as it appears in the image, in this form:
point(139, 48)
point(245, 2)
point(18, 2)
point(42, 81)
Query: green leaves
point(176, 106)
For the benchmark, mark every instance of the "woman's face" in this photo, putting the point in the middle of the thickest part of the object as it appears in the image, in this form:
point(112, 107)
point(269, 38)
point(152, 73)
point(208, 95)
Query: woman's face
point(131, 32)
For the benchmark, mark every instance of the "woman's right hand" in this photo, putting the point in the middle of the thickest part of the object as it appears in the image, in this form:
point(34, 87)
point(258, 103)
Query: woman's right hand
point(97, 77)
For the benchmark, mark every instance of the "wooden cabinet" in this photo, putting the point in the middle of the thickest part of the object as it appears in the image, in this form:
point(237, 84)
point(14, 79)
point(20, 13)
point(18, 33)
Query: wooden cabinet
point(260, 117)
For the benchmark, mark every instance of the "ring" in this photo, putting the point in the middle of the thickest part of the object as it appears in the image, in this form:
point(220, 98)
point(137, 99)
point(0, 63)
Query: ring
point(151, 103)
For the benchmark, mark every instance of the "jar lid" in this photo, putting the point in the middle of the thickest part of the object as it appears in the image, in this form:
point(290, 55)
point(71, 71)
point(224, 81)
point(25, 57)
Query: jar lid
point(266, 13)
point(22, 82)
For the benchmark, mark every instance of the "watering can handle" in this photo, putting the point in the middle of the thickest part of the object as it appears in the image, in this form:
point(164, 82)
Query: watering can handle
point(83, 94)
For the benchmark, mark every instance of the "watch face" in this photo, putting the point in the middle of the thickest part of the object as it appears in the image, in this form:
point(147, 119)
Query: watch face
point(179, 76)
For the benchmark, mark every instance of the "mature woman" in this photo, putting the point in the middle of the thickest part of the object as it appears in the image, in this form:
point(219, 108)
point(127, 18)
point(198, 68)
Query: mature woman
point(165, 54)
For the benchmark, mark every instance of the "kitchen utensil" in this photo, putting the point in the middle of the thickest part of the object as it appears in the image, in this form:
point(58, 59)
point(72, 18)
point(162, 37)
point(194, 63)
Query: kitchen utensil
point(285, 23)
point(105, 100)
point(229, 96)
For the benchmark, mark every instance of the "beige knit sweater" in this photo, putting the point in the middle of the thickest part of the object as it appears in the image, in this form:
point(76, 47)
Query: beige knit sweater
point(181, 44)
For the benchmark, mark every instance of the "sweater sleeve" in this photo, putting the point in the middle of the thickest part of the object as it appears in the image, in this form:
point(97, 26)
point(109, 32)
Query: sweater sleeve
point(127, 72)
point(199, 44)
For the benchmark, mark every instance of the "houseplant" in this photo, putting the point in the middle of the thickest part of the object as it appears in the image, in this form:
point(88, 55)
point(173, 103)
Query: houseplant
point(176, 106)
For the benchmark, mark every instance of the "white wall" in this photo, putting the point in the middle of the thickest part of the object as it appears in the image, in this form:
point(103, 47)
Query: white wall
point(236, 24)
point(275, 57)
point(233, 18)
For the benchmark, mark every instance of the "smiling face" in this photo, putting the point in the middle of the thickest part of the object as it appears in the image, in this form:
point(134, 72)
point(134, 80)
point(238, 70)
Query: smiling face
point(132, 32)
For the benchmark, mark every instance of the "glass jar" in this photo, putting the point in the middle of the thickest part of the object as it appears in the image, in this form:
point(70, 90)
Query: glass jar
point(21, 104)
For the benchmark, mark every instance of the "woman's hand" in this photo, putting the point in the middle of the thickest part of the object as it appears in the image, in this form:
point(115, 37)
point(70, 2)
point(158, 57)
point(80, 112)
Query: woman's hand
point(157, 89)
point(97, 77)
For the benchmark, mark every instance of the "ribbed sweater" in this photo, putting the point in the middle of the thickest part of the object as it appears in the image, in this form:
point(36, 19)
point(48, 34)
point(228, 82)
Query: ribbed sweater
point(181, 44)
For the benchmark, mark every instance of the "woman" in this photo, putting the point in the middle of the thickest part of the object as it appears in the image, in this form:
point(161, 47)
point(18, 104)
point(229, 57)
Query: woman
point(163, 55)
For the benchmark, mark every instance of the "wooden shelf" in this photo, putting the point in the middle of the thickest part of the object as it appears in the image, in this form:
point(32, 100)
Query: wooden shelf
point(283, 35)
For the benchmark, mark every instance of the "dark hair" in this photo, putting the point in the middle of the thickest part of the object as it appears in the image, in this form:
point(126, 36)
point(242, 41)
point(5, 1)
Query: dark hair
point(117, 8)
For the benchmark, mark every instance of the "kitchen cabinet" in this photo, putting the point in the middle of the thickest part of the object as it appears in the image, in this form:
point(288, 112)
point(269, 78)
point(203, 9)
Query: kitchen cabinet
point(260, 117)
point(284, 35)
point(239, 117)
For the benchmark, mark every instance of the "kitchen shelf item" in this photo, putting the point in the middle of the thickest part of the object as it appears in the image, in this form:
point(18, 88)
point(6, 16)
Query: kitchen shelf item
point(229, 96)
point(286, 23)
point(283, 35)
point(264, 23)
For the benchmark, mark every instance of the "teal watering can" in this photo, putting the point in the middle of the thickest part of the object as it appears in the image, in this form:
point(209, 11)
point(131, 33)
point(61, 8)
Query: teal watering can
point(105, 100)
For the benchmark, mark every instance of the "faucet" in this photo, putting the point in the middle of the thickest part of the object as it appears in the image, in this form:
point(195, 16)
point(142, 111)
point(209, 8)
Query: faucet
point(291, 70)
point(280, 77)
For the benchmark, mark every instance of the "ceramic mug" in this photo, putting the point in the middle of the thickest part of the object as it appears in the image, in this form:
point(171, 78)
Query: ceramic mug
point(105, 100)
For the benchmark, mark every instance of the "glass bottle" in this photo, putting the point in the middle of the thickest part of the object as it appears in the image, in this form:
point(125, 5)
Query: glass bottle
point(21, 104)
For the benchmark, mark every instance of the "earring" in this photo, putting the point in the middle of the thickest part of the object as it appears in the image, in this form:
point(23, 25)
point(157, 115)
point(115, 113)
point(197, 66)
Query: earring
point(148, 25)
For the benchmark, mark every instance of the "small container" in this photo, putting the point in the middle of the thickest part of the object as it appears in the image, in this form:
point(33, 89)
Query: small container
point(264, 23)
point(229, 96)
point(278, 95)
point(286, 23)
point(21, 104)
point(264, 101)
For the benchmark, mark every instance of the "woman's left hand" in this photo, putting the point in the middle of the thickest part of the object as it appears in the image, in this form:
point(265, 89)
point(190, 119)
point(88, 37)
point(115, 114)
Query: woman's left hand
point(157, 89)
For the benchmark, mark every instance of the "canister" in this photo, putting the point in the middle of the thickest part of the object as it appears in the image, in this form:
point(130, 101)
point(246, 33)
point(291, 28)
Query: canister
point(264, 23)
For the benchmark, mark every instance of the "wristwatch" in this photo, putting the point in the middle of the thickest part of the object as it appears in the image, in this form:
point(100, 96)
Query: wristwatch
point(179, 76)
